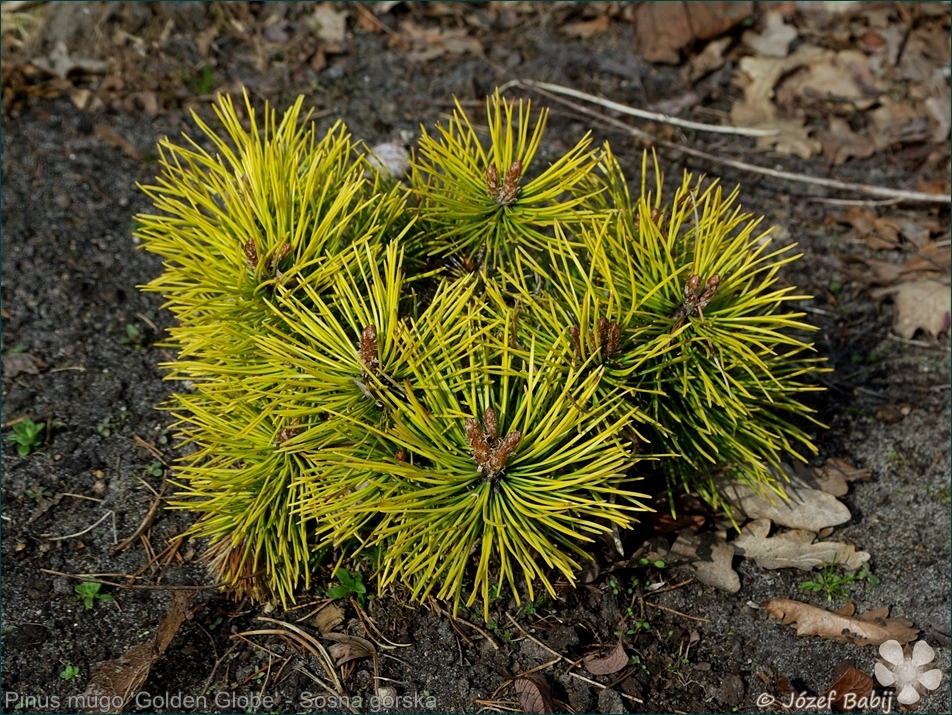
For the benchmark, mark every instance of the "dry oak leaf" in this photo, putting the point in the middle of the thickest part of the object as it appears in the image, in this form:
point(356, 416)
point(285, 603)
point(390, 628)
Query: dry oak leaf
point(533, 693)
point(329, 23)
point(872, 628)
point(114, 682)
point(347, 648)
point(663, 29)
point(804, 508)
point(793, 549)
point(328, 618)
point(709, 557)
point(879, 232)
point(759, 75)
point(847, 680)
point(840, 142)
point(587, 28)
point(924, 304)
point(706, 61)
point(839, 77)
point(793, 138)
point(616, 660)
point(21, 363)
point(833, 476)
point(430, 43)
point(775, 39)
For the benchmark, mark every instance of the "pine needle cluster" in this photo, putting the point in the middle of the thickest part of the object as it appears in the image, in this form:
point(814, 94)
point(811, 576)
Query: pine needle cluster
point(478, 424)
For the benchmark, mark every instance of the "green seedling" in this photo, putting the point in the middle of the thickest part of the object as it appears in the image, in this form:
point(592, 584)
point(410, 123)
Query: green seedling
point(27, 435)
point(109, 425)
point(349, 585)
point(70, 672)
point(133, 337)
point(38, 494)
point(89, 592)
point(155, 469)
point(658, 563)
point(835, 585)
point(201, 82)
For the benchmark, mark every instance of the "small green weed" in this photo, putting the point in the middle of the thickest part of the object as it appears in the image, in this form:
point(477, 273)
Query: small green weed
point(70, 672)
point(155, 469)
point(88, 593)
point(27, 435)
point(201, 82)
point(38, 494)
point(109, 425)
point(349, 585)
point(836, 586)
point(133, 337)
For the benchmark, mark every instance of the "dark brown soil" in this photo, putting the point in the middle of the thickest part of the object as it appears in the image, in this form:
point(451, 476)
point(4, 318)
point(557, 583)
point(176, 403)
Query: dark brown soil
point(70, 276)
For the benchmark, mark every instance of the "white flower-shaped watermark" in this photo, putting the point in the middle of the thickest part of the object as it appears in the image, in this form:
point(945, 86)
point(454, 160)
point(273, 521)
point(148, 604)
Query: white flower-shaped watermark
point(909, 674)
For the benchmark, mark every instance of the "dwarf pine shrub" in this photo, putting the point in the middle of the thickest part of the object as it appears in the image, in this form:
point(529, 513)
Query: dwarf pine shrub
point(463, 377)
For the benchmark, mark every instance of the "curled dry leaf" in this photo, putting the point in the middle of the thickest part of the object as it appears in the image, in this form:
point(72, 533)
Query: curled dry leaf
point(328, 618)
point(21, 363)
point(533, 693)
point(848, 682)
point(872, 628)
point(840, 142)
point(114, 682)
point(329, 22)
point(347, 648)
point(834, 475)
point(663, 29)
point(587, 28)
point(925, 305)
point(805, 508)
point(793, 549)
point(113, 138)
point(709, 557)
point(616, 660)
point(775, 39)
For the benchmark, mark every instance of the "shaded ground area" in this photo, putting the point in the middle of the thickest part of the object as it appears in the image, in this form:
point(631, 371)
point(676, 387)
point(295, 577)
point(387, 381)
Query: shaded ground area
point(70, 277)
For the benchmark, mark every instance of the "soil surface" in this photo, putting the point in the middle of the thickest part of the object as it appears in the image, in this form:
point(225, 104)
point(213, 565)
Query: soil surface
point(71, 272)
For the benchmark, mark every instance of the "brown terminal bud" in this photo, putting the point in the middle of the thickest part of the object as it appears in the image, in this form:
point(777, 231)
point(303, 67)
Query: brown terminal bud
point(478, 443)
point(491, 425)
point(501, 454)
point(614, 341)
point(251, 254)
point(368, 349)
point(492, 181)
point(601, 327)
point(400, 456)
point(709, 291)
point(279, 256)
point(656, 217)
point(506, 194)
point(576, 342)
point(691, 288)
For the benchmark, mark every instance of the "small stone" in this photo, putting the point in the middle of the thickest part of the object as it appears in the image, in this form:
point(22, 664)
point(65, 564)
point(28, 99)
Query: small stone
point(609, 701)
point(62, 201)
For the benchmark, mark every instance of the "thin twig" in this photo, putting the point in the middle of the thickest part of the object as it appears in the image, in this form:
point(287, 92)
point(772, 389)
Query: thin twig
point(898, 194)
point(78, 533)
point(133, 587)
point(642, 114)
point(678, 613)
point(150, 515)
point(81, 496)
